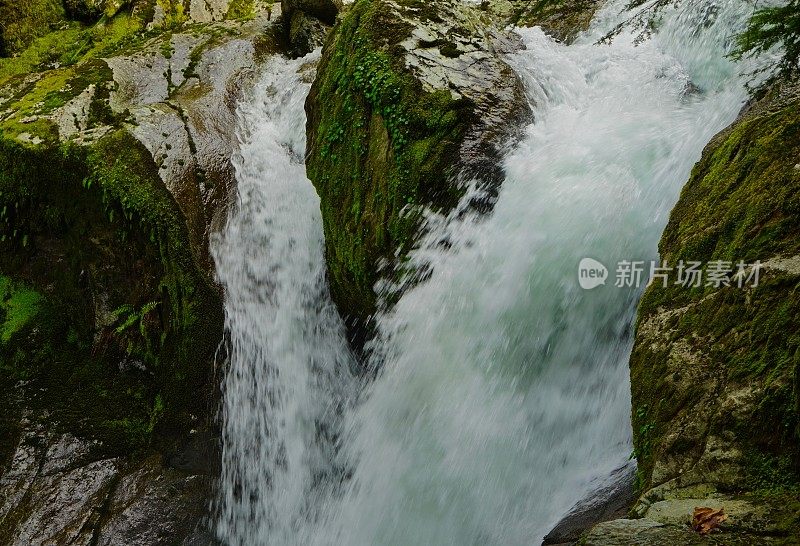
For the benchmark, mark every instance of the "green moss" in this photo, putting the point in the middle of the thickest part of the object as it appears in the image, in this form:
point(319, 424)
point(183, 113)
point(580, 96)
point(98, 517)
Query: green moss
point(19, 306)
point(380, 148)
point(71, 44)
point(771, 474)
point(130, 185)
point(54, 89)
point(23, 22)
point(174, 12)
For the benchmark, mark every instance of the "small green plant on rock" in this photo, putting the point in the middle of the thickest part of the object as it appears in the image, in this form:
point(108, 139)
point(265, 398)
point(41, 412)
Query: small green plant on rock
point(19, 306)
point(130, 316)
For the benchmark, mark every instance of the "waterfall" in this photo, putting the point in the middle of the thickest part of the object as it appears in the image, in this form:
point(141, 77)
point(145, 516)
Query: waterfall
point(503, 396)
point(288, 381)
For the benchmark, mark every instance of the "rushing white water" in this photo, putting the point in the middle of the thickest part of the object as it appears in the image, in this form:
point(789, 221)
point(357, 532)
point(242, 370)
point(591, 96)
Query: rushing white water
point(503, 396)
point(289, 365)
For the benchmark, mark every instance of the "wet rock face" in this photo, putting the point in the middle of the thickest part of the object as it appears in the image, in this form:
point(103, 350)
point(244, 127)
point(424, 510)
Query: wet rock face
point(181, 96)
point(561, 19)
point(52, 490)
point(607, 503)
point(305, 33)
point(409, 96)
point(307, 23)
point(55, 490)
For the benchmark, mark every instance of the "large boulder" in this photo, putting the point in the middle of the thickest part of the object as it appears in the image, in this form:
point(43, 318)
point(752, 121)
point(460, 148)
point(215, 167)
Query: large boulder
point(410, 99)
point(715, 370)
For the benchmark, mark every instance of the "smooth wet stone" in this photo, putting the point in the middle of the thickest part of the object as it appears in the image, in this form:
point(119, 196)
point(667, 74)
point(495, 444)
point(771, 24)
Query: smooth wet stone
point(606, 503)
point(152, 505)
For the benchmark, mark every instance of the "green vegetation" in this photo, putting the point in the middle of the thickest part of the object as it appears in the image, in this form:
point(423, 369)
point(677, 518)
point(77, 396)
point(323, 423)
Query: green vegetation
point(22, 22)
point(174, 12)
point(54, 89)
point(72, 43)
point(644, 445)
point(770, 27)
point(382, 147)
point(19, 306)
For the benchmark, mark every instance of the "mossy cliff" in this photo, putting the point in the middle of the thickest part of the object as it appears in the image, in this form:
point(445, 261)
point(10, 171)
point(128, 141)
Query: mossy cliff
point(409, 96)
point(109, 326)
point(116, 133)
point(125, 324)
point(715, 372)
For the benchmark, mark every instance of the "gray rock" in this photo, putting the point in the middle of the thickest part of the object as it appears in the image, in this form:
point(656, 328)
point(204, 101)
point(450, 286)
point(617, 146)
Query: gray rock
point(152, 506)
point(206, 11)
point(306, 33)
point(181, 99)
point(52, 490)
point(608, 502)
point(56, 491)
point(459, 52)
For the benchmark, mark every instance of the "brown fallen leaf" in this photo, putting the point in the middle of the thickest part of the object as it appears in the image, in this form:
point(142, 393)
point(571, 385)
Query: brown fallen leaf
point(705, 520)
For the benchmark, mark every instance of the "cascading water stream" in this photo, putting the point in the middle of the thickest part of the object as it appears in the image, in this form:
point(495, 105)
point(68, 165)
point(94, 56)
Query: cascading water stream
point(503, 396)
point(288, 378)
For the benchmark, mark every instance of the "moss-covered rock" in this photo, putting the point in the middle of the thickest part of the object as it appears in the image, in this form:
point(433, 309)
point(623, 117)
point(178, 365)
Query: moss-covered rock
point(115, 166)
point(562, 19)
point(409, 95)
point(126, 321)
point(714, 371)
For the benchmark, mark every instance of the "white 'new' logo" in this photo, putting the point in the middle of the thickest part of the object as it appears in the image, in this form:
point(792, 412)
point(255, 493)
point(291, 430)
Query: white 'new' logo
point(591, 274)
